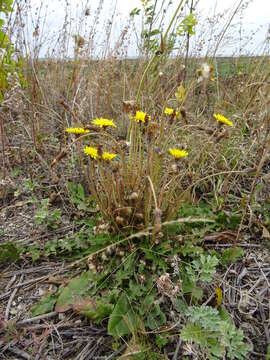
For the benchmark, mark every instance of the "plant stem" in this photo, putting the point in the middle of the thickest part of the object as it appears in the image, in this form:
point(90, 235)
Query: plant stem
point(2, 131)
point(144, 76)
point(173, 18)
point(187, 45)
point(152, 60)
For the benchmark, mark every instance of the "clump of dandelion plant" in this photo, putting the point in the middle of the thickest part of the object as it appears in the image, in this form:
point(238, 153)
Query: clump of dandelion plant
point(137, 183)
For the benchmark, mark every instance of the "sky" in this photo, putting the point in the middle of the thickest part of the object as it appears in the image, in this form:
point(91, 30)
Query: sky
point(250, 25)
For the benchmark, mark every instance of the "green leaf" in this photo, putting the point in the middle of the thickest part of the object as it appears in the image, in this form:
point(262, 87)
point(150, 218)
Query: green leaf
point(95, 309)
point(35, 252)
point(190, 249)
point(161, 340)
point(44, 306)
point(180, 306)
point(75, 291)
point(214, 332)
point(122, 320)
point(8, 253)
point(203, 268)
point(228, 221)
point(230, 256)
point(134, 12)
point(155, 318)
point(194, 332)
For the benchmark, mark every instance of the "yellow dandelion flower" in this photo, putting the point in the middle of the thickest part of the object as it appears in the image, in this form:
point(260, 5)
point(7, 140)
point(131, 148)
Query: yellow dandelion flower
point(222, 119)
point(108, 156)
point(177, 153)
point(77, 131)
point(170, 112)
point(92, 152)
point(140, 117)
point(103, 123)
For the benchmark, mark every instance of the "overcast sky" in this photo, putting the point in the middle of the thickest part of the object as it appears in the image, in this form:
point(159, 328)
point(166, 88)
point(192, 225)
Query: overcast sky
point(254, 19)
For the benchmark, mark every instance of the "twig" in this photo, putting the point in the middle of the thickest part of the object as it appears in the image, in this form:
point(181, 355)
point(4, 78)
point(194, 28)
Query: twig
point(9, 303)
point(31, 270)
point(117, 352)
point(85, 352)
point(10, 283)
point(2, 131)
point(11, 299)
point(20, 353)
point(230, 245)
point(175, 356)
point(36, 318)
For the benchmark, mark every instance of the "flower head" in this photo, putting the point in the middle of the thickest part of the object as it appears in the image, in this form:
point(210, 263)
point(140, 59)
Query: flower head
point(204, 72)
point(108, 156)
point(103, 123)
point(170, 112)
point(222, 119)
point(92, 152)
point(177, 153)
point(77, 131)
point(140, 117)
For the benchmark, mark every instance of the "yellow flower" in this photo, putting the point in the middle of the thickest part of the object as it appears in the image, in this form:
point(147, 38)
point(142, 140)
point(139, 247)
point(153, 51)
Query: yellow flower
point(170, 111)
point(103, 123)
point(140, 117)
point(222, 119)
point(92, 152)
point(177, 153)
point(108, 156)
point(77, 131)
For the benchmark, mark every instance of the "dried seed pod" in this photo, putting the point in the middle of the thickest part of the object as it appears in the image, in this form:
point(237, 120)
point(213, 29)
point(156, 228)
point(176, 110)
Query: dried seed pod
point(134, 196)
point(127, 211)
point(158, 151)
point(174, 168)
point(104, 257)
point(123, 211)
point(124, 144)
point(140, 226)
point(79, 41)
point(119, 220)
point(130, 106)
point(221, 135)
point(92, 267)
point(100, 268)
point(182, 146)
point(115, 167)
point(184, 114)
point(141, 279)
point(110, 250)
point(151, 131)
point(99, 150)
point(139, 216)
point(53, 197)
point(158, 237)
